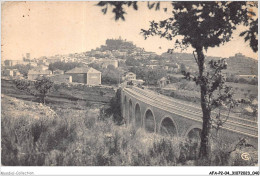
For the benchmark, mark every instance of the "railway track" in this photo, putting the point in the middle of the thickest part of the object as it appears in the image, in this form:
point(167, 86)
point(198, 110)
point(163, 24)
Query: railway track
point(191, 108)
point(235, 124)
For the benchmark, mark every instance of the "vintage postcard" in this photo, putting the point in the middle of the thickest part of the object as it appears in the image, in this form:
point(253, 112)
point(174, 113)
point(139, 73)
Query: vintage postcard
point(129, 83)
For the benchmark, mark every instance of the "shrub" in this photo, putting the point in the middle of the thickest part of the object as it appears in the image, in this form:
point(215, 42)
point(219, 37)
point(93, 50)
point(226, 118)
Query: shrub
point(164, 149)
point(76, 138)
point(38, 88)
point(115, 108)
point(26, 141)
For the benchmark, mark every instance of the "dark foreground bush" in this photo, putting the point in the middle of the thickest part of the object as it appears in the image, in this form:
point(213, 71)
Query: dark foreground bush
point(114, 109)
point(27, 141)
point(77, 138)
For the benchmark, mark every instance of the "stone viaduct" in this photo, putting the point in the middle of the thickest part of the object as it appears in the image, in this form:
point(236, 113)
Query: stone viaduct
point(160, 114)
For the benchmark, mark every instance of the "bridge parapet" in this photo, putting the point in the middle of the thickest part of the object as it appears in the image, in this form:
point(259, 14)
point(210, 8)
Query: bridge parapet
point(180, 117)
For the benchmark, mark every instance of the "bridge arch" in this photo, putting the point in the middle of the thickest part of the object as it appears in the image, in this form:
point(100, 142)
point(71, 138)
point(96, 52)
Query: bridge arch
point(194, 133)
point(168, 127)
point(149, 121)
point(138, 116)
point(130, 109)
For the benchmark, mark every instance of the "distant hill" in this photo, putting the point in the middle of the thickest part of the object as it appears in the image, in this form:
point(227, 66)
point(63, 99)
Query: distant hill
point(119, 45)
point(237, 65)
point(122, 49)
point(181, 58)
point(242, 65)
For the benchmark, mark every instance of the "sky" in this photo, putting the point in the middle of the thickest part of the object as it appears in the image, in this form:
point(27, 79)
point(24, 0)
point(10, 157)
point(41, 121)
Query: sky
point(50, 28)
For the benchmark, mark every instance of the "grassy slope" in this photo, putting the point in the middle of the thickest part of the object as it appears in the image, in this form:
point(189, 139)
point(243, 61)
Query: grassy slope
point(65, 95)
point(33, 134)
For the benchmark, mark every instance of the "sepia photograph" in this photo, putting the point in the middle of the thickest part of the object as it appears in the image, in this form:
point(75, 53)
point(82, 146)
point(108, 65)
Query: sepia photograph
point(129, 83)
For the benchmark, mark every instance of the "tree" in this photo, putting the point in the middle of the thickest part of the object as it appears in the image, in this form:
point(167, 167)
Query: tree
point(233, 14)
point(111, 67)
point(115, 108)
point(202, 25)
point(110, 75)
point(39, 88)
point(183, 68)
point(95, 66)
point(23, 69)
point(63, 66)
point(131, 61)
point(154, 75)
point(150, 76)
point(43, 86)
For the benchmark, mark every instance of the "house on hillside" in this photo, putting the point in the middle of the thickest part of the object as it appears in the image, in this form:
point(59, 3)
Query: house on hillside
point(138, 82)
point(42, 61)
point(165, 67)
point(11, 63)
point(129, 76)
point(35, 73)
point(16, 72)
point(86, 75)
point(41, 67)
point(163, 82)
point(8, 63)
point(107, 62)
point(8, 72)
point(53, 60)
point(58, 72)
point(33, 64)
point(153, 66)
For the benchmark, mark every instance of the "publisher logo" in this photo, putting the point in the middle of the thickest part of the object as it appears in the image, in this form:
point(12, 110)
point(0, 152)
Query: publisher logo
point(245, 156)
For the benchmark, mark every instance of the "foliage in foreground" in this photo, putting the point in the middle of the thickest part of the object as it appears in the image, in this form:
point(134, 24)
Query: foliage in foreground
point(63, 66)
point(79, 139)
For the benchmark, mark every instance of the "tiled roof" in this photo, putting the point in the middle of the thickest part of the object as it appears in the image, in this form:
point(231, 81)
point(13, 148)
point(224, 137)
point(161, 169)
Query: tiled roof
point(83, 70)
point(39, 72)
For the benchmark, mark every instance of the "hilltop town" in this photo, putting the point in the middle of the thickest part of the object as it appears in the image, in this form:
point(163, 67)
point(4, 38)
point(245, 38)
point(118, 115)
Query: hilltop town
point(111, 63)
point(120, 62)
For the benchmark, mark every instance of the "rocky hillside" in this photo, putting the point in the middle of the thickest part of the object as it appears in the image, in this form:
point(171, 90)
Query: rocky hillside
point(12, 107)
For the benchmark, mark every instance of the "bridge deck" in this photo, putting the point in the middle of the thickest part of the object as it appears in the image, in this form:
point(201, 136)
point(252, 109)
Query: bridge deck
point(235, 124)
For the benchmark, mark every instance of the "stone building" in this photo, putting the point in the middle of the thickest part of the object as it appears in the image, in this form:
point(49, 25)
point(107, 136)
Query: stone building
point(86, 75)
point(61, 78)
point(8, 72)
point(16, 72)
point(34, 74)
point(108, 62)
point(163, 82)
point(129, 76)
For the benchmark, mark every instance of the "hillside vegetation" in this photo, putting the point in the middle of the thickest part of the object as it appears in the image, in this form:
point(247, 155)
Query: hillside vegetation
point(35, 135)
point(237, 65)
point(64, 94)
